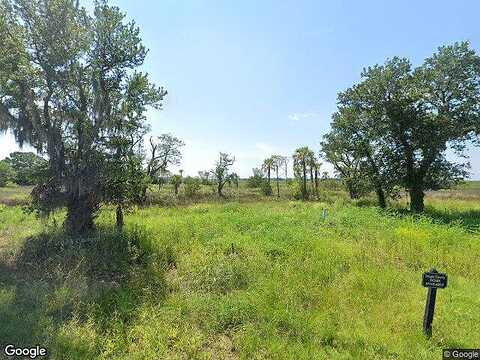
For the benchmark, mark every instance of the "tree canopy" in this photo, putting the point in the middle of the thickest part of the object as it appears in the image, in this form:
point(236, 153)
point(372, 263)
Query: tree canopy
point(399, 121)
point(70, 88)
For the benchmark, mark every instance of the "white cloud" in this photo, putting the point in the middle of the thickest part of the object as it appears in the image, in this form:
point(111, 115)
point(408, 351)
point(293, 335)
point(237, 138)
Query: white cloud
point(303, 115)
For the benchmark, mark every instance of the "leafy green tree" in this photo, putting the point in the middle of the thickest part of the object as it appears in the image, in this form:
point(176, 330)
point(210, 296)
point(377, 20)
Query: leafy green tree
point(27, 166)
point(6, 173)
point(69, 87)
point(221, 171)
point(352, 139)
point(165, 150)
point(347, 163)
point(125, 183)
point(415, 115)
point(256, 180)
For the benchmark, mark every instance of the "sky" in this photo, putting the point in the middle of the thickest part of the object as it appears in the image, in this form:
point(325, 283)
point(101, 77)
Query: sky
point(259, 77)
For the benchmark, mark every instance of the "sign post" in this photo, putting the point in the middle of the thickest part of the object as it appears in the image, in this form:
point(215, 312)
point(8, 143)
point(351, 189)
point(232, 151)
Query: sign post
point(432, 280)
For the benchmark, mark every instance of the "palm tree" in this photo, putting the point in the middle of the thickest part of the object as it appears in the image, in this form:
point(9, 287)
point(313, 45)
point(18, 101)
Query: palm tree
point(277, 163)
point(285, 165)
point(301, 162)
point(267, 167)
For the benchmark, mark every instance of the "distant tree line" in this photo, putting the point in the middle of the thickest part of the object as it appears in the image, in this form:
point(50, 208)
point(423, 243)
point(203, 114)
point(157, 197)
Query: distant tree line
point(22, 168)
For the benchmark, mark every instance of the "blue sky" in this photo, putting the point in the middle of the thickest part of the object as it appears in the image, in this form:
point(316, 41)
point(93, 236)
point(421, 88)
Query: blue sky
point(253, 78)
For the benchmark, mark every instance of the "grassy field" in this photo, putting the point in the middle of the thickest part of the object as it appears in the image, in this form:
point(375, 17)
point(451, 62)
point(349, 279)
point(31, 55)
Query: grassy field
point(15, 195)
point(240, 279)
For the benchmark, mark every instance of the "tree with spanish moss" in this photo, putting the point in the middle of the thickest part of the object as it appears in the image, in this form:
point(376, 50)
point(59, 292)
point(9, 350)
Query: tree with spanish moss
point(69, 86)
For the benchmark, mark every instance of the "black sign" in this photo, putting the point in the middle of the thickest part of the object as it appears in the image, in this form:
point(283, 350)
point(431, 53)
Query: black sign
point(434, 279)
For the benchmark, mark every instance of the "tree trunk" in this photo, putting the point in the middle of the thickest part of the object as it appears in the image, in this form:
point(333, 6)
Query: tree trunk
point(311, 180)
point(278, 185)
point(304, 188)
point(268, 174)
point(80, 215)
point(316, 182)
point(144, 194)
point(416, 199)
point(381, 197)
point(286, 175)
point(119, 215)
point(219, 190)
point(351, 190)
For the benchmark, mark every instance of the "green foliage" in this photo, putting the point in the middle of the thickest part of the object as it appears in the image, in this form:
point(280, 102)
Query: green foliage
point(295, 190)
point(266, 188)
point(397, 123)
point(176, 181)
point(221, 172)
point(256, 180)
point(164, 151)
point(192, 186)
point(28, 167)
point(303, 164)
point(126, 182)
point(267, 166)
point(6, 173)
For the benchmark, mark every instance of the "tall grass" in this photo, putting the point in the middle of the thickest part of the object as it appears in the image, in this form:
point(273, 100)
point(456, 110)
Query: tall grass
point(244, 280)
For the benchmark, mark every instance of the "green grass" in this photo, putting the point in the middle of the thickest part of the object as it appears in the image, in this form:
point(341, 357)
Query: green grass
point(13, 194)
point(243, 280)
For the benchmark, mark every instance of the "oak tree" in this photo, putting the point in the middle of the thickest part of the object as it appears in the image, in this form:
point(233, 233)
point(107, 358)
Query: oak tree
point(69, 86)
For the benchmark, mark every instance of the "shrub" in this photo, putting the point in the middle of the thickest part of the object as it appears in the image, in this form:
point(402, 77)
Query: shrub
point(176, 181)
point(295, 190)
point(256, 180)
point(266, 188)
point(6, 173)
point(192, 186)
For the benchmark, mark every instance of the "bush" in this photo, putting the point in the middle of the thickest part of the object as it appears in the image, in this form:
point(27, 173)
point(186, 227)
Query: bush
point(192, 186)
point(266, 188)
point(295, 190)
point(176, 181)
point(6, 173)
point(255, 181)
